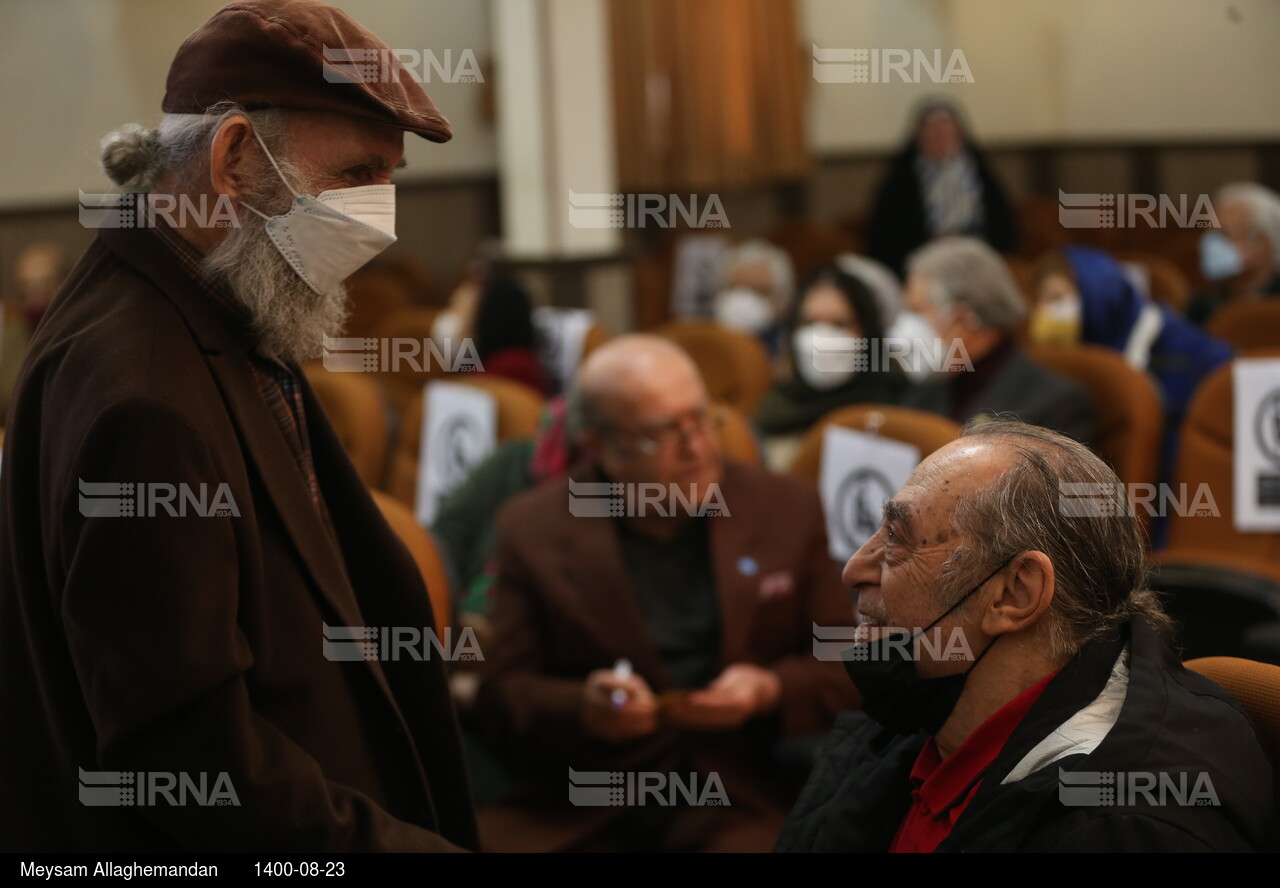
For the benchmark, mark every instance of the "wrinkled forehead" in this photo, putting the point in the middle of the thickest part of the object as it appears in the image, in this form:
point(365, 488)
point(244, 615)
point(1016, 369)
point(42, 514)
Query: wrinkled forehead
point(947, 476)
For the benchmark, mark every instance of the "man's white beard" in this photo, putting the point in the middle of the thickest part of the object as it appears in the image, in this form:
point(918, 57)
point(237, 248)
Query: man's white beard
point(290, 320)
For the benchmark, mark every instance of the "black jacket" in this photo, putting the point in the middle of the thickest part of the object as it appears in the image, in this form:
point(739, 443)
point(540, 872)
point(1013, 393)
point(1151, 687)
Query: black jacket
point(898, 225)
point(1028, 390)
point(1171, 720)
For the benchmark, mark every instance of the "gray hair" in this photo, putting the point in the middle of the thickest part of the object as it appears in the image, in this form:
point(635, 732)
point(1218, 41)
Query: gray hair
point(965, 271)
point(1264, 211)
point(1099, 561)
point(136, 158)
point(776, 259)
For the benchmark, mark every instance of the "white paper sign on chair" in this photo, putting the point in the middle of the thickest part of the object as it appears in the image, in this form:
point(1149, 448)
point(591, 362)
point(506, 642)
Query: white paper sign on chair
point(1257, 444)
point(859, 472)
point(459, 429)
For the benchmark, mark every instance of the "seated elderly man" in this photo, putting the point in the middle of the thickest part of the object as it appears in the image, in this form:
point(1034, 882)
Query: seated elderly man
point(965, 295)
point(1242, 260)
point(664, 645)
point(757, 284)
point(1019, 691)
point(188, 559)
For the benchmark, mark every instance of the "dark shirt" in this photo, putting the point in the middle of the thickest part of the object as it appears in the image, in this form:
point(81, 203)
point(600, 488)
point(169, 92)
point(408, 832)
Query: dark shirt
point(966, 386)
point(675, 589)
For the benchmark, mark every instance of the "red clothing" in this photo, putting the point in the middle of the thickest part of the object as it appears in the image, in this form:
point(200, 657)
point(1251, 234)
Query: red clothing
point(942, 789)
point(520, 364)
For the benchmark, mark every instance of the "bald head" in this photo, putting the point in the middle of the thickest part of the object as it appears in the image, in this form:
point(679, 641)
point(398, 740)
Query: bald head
point(629, 373)
point(640, 412)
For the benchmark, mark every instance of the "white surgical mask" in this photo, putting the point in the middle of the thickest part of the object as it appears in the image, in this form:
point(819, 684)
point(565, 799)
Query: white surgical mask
point(744, 309)
point(913, 337)
point(446, 328)
point(1219, 258)
point(827, 356)
point(327, 237)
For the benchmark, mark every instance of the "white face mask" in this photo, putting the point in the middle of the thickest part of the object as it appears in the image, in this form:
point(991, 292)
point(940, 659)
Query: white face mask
point(327, 237)
point(445, 329)
point(744, 309)
point(915, 336)
point(827, 356)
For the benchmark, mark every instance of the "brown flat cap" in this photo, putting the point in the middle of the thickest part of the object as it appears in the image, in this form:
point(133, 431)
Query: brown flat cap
point(298, 54)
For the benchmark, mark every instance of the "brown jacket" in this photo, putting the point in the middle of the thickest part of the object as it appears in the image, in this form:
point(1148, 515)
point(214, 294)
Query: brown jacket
point(194, 644)
point(562, 608)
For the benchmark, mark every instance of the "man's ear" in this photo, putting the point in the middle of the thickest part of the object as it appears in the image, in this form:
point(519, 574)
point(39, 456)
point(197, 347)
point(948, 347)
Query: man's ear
point(229, 155)
point(1024, 596)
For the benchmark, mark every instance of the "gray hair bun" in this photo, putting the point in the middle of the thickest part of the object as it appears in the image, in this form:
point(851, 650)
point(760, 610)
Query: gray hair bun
point(131, 155)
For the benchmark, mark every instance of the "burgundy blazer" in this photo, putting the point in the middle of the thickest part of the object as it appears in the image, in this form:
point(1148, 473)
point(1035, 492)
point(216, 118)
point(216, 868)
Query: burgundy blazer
point(562, 608)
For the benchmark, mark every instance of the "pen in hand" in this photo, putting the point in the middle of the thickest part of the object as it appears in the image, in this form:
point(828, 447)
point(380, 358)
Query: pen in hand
point(621, 672)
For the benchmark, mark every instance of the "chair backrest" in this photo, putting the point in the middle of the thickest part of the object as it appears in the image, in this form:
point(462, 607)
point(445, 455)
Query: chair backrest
point(1127, 413)
point(738, 440)
point(374, 294)
point(810, 243)
point(595, 337)
point(1257, 687)
point(411, 361)
point(1218, 607)
point(425, 554)
point(519, 409)
point(1247, 324)
point(926, 431)
point(358, 411)
point(734, 365)
point(1167, 282)
point(1206, 453)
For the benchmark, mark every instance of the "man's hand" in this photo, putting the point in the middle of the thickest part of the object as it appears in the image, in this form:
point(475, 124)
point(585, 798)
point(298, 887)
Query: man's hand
point(741, 692)
point(635, 716)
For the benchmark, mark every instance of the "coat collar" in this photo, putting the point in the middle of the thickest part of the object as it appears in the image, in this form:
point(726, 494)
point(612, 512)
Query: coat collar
point(225, 338)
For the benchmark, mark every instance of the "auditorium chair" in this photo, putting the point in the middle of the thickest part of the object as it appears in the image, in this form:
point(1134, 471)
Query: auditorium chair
point(425, 554)
point(519, 408)
point(374, 293)
point(1127, 413)
point(1257, 688)
point(734, 365)
point(738, 440)
point(1247, 325)
point(1205, 456)
point(927, 431)
point(403, 377)
point(1166, 282)
point(1220, 610)
point(358, 411)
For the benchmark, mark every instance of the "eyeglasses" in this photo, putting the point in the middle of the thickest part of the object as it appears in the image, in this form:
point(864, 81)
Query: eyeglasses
point(667, 436)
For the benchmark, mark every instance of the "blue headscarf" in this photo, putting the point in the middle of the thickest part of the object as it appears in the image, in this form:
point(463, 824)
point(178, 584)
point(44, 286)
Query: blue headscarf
point(1109, 305)
point(1181, 355)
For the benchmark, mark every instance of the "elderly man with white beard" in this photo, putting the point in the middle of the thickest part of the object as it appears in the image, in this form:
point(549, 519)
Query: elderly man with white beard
point(188, 560)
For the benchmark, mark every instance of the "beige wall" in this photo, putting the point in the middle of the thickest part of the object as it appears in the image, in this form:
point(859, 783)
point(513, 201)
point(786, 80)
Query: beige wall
point(1060, 70)
point(75, 69)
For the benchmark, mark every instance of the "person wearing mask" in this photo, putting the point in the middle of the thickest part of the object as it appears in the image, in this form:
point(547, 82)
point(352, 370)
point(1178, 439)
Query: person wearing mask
point(756, 291)
point(833, 363)
point(963, 292)
point(938, 185)
point(1242, 259)
point(1083, 295)
point(1057, 692)
point(188, 558)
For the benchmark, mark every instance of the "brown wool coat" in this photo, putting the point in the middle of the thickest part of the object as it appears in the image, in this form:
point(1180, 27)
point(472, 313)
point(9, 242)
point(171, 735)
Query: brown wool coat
point(194, 644)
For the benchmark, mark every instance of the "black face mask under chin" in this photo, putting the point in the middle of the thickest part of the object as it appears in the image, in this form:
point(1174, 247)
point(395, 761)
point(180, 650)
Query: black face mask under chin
point(893, 693)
